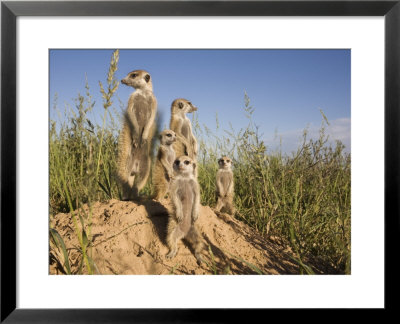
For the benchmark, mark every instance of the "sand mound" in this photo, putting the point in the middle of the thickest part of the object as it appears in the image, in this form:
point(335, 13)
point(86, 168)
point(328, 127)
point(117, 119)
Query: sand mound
point(129, 238)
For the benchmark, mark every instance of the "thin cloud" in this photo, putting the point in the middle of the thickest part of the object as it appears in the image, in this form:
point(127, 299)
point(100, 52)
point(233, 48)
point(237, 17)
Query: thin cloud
point(337, 130)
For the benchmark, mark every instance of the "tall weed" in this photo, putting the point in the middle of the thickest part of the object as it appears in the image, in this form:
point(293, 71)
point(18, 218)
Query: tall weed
point(303, 198)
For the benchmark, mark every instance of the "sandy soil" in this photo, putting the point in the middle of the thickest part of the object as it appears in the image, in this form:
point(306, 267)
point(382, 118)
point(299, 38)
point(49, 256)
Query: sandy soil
point(129, 238)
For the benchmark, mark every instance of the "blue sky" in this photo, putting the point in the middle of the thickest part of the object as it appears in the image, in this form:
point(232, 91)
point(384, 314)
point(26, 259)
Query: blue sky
point(287, 88)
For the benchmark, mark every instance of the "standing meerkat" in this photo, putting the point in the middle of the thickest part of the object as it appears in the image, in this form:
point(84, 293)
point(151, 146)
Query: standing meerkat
point(138, 128)
point(185, 197)
point(186, 143)
point(163, 170)
point(225, 185)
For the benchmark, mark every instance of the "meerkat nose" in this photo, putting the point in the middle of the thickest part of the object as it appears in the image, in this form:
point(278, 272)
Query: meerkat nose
point(123, 81)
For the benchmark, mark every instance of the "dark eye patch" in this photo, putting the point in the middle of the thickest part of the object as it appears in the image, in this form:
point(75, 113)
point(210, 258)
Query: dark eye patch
point(133, 75)
point(180, 105)
point(187, 162)
point(169, 135)
point(177, 162)
point(147, 78)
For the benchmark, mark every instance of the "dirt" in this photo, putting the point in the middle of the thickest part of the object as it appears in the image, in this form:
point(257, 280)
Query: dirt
point(129, 238)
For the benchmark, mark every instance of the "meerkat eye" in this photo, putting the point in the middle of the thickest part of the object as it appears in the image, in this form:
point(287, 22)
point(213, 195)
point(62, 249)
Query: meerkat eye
point(147, 78)
point(177, 162)
point(169, 135)
point(180, 105)
point(187, 162)
point(133, 75)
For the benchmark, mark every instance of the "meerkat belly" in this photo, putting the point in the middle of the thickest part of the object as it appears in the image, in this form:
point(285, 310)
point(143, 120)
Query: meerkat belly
point(170, 160)
point(186, 131)
point(186, 196)
point(143, 111)
point(225, 179)
point(171, 156)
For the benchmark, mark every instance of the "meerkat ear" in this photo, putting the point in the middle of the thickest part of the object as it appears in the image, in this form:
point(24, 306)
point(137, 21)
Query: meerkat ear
point(180, 105)
point(147, 78)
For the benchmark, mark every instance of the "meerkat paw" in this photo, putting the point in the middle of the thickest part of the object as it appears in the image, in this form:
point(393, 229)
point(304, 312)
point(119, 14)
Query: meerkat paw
point(171, 254)
point(158, 198)
point(143, 142)
point(199, 258)
point(161, 201)
point(127, 197)
point(135, 142)
point(216, 211)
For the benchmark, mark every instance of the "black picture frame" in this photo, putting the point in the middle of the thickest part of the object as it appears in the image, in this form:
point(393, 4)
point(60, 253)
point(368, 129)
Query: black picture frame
point(10, 10)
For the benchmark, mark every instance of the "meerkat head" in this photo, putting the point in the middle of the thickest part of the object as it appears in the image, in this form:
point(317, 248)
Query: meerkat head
point(138, 79)
point(225, 163)
point(185, 166)
point(167, 137)
point(182, 106)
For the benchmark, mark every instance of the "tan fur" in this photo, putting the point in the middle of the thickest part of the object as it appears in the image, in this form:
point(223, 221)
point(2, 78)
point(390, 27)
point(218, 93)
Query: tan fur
point(186, 143)
point(134, 144)
point(163, 171)
point(225, 186)
point(185, 197)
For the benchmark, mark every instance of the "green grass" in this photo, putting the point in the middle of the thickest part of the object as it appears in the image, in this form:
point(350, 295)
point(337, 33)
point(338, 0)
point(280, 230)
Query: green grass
point(303, 197)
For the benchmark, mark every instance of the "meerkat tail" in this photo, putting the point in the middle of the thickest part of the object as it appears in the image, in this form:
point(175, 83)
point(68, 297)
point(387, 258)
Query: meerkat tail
point(124, 152)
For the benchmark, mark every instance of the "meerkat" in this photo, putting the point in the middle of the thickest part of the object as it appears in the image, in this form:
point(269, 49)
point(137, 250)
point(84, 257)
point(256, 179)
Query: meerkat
point(224, 186)
point(135, 138)
point(163, 169)
point(186, 143)
point(185, 197)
